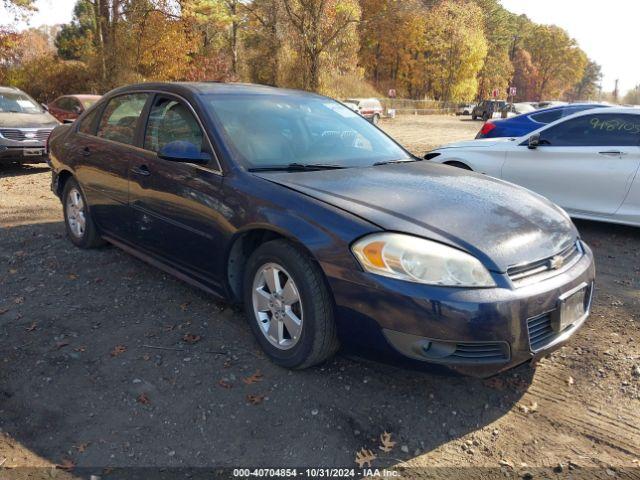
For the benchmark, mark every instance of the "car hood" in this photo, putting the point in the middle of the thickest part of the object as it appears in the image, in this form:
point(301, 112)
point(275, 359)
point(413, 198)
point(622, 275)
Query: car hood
point(498, 222)
point(27, 120)
point(479, 143)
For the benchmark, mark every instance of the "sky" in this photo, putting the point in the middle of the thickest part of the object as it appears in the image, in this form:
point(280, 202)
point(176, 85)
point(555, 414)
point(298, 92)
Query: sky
point(606, 31)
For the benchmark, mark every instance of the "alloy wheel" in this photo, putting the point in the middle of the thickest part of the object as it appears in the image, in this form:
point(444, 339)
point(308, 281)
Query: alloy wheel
point(75, 213)
point(277, 306)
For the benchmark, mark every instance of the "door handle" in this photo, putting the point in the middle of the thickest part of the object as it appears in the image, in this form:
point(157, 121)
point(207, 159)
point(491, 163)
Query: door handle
point(612, 153)
point(86, 151)
point(141, 170)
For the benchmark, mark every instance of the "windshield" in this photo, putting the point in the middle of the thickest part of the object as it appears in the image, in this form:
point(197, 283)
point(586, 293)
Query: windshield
point(278, 130)
point(88, 102)
point(16, 102)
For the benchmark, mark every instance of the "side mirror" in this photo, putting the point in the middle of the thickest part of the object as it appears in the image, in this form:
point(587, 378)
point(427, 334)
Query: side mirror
point(45, 106)
point(186, 152)
point(77, 109)
point(534, 141)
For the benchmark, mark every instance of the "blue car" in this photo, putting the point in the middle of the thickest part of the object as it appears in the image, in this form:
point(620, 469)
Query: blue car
point(528, 122)
point(326, 229)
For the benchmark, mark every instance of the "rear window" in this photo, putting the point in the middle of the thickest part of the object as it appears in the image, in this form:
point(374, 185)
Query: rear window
point(556, 114)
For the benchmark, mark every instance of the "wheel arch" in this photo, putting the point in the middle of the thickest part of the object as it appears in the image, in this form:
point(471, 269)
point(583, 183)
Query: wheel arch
point(458, 164)
point(243, 244)
point(63, 177)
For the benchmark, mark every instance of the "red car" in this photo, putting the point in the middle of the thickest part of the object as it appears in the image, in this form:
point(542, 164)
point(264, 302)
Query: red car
point(69, 107)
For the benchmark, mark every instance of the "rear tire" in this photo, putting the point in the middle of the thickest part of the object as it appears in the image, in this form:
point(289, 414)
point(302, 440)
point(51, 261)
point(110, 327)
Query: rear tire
point(294, 323)
point(376, 119)
point(474, 117)
point(80, 227)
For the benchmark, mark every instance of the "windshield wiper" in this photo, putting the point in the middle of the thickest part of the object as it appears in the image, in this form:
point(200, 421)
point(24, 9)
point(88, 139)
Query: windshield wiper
point(297, 167)
point(389, 162)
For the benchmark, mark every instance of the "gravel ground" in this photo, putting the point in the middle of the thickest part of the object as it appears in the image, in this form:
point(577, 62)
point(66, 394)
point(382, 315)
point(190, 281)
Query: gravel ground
point(106, 362)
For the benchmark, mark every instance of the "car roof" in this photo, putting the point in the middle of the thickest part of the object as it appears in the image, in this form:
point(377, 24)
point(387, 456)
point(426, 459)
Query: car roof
point(204, 88)
point(10, 90)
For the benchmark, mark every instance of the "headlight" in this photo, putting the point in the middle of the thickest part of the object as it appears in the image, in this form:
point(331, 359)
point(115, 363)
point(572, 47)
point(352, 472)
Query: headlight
point(418, 260)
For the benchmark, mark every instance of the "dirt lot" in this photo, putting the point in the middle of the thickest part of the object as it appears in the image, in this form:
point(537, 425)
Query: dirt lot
point(106, 362)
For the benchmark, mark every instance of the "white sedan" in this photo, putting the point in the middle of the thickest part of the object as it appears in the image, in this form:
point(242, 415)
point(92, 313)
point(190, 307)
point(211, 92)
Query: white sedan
point(587, 163)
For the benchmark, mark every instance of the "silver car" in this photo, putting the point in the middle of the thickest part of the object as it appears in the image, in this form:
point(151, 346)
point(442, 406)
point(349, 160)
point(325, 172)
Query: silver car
point(24, 128)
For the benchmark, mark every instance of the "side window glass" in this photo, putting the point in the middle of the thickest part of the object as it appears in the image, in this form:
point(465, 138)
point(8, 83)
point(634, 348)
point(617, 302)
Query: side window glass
point(606, 130)
point(120, 118)
point(548, 117)
point(88, 123)
point(170, 121)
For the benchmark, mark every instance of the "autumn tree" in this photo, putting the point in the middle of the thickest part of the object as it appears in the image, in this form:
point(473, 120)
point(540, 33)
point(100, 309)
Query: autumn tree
point(588, 86)
point(391, 60)
point(456, 49)
point(558, 59)
point(633, 96)
point(502, 33)
point(318, 26)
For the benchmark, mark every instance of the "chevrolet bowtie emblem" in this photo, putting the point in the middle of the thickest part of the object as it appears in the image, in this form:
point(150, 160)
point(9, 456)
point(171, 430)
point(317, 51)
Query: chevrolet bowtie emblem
point(556, 262)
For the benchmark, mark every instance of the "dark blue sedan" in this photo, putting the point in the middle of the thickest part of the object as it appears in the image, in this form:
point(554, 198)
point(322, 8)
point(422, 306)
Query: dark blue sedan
point(520, 125)
point(326, 229)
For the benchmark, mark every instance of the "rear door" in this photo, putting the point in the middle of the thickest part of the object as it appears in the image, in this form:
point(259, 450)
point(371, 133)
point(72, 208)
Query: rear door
point(585, 164)
point(176, 206)
point(105, 152)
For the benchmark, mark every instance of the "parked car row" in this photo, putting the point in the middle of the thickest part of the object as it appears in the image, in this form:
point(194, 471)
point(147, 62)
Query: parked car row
point(323, 226)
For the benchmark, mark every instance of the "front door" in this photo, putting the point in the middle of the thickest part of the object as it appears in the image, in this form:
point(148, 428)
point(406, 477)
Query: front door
point(176, 206)
point(585, 164)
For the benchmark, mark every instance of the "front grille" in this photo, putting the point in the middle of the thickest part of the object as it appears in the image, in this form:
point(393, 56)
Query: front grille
point(481, 352)
point(541, 332)
point(538, 270)
point(23, 135)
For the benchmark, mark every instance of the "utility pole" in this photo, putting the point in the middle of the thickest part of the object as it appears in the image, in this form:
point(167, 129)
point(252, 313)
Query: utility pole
point(616, 92)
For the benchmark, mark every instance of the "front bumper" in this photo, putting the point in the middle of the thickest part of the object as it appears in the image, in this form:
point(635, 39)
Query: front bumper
point(35, 153)
point(477, 332)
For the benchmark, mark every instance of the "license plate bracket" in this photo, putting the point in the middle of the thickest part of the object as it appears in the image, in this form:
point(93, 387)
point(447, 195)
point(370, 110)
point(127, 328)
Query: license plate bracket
point(572, 306)
point(33, 152)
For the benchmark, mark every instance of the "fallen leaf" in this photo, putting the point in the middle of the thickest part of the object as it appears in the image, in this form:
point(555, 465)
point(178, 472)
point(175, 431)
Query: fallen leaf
point(81, 348)
point(184, 306)
point(13, 271)
point(365, 456)
point(3, 311)
point(82, 447)
point(386, 444)
point(225, 384)
point(66, 464)
point(18, 300)
point(31, 328)
point(143, 399)
point(255, 399)
point(118, 350)
point(60, 345)
point(146, 357)
point(72, 276)
point(190, 338)
point(255, 378)
point(570, 381)
point(227, 363)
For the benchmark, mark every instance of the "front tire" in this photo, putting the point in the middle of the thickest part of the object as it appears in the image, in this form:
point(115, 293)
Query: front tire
point(288, 306)
point(376, 119)
point(80, 227)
